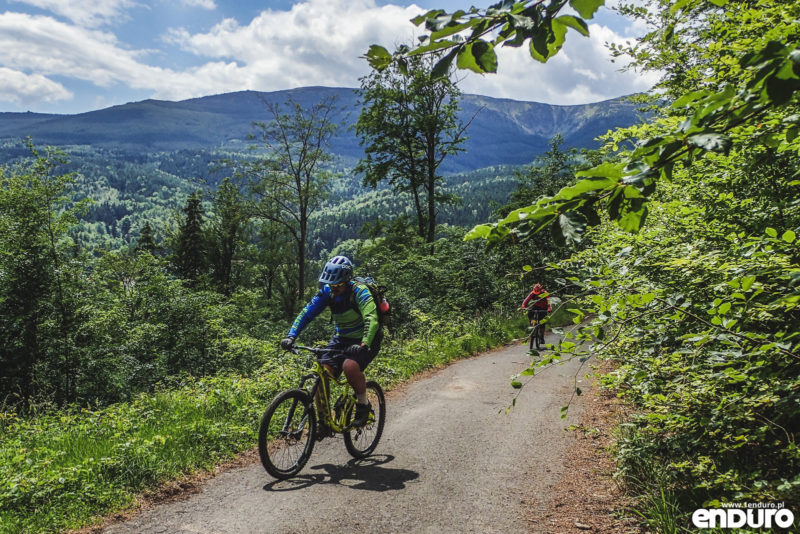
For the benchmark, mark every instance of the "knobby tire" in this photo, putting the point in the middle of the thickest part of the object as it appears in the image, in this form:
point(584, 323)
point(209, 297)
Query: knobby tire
point(361, 442)
point(287, 433)
point(535, 343)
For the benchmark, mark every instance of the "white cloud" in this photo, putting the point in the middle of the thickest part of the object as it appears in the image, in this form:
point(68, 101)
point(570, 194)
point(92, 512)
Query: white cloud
point(205, 4)
point(47, 46)
point(581, 72)
point(305, 45)
point(316, 42)
point(51, 48)
point(86, 13)
point(24, 89)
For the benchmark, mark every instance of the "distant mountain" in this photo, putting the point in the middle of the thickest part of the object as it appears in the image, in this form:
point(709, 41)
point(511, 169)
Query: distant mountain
point(503, 132)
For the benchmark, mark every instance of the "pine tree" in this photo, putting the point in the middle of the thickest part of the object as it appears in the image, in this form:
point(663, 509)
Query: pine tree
point(146, 241)
point(189, 249)
point(225, 233)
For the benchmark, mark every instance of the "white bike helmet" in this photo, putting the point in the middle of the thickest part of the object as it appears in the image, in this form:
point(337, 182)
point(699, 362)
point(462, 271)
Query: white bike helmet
point(338, 269)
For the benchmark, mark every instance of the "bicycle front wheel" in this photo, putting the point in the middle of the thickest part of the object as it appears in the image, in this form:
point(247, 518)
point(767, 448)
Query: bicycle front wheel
point(537, 334)
point(361, 442)
point(287, 432)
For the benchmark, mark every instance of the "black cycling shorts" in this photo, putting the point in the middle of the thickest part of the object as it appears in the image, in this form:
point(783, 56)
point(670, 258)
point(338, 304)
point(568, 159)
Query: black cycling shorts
point(336, 359)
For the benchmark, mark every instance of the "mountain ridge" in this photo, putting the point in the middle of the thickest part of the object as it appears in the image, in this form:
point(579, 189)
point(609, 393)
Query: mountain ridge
point(504, 131)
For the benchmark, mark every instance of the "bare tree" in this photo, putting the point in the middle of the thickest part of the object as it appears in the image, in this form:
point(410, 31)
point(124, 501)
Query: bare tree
point(290, 181)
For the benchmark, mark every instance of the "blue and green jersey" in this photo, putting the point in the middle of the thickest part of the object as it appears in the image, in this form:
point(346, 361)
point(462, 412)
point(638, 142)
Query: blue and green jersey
point(354, 313)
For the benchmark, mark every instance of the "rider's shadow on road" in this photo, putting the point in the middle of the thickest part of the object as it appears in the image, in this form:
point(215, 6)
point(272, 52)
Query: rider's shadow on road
point(366, 474)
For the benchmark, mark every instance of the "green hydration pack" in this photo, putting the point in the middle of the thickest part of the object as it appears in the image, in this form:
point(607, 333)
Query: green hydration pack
point(378, 293)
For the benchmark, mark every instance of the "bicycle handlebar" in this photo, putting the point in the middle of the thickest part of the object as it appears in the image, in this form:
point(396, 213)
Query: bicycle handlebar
point(315, 350)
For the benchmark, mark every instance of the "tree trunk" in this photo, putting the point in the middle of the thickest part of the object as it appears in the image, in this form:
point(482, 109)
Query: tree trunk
point(301, 264)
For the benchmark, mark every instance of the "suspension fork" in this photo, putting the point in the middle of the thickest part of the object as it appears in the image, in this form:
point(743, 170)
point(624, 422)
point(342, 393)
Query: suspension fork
point(293, 407)
point(320, 392)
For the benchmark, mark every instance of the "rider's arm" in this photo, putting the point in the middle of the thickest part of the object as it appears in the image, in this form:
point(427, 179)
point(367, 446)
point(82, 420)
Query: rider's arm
point(527, 299)
point(369, 312)
point(312, 309)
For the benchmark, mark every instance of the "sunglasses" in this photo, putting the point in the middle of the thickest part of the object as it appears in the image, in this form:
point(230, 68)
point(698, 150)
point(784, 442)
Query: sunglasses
point(337, 286)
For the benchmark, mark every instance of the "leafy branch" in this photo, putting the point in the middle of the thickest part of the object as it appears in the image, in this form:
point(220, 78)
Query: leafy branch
point(623, 188)
point(469, 38)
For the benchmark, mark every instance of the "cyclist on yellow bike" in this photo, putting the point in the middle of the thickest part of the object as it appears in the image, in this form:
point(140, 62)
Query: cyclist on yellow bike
point(537, 305)
point(358, 334)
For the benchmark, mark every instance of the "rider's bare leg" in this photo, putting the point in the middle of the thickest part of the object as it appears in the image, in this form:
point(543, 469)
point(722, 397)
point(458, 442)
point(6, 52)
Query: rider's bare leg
point(355, 377)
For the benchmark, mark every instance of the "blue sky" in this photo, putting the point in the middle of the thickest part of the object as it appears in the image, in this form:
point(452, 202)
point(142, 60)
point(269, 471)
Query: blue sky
point(72, 56)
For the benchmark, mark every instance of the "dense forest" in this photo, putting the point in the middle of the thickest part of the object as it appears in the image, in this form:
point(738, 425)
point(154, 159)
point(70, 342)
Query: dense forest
point(688, 273)
point(141, 302)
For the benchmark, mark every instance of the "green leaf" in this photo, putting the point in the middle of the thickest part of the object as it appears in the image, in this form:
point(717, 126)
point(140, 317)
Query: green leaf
point(481, 231)
point(557, 234)
point(610, 171)
point(378, 57)
point(593, 183)
point(615, 203)
point(528, 372)
point(779, 90)
point(719, 3)
point(586, 8)
point(442, 68)
point(772, 232)
point(527, 268)
point(538, 48)
point(590, 214)
point(789, 236)
point(416, 21)
point(690, 98)
point(713, 142)
point(478, 57)
point(452, 29)
point(516, 384)
point(558, 36)
point(485, 55)
point(632, 220)
point(747, 282)
point(530, 213)
point(572, 226)
point(564, 412)
point(575, 23)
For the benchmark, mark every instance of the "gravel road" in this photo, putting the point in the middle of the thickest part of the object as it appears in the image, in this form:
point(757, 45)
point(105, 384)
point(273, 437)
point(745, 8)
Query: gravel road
point(451, 460)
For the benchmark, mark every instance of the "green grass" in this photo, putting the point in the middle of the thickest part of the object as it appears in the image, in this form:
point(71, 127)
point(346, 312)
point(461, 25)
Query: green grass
point(67, 469)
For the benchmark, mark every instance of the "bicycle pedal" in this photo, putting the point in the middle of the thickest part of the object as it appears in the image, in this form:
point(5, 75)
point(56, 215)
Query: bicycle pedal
point(323, 431)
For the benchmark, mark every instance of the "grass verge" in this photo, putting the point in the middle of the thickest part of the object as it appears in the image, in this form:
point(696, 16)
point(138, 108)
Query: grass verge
point(65, 469)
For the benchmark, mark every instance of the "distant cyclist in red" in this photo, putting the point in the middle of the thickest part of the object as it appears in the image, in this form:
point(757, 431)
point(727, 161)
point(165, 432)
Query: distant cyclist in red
point(537, 305)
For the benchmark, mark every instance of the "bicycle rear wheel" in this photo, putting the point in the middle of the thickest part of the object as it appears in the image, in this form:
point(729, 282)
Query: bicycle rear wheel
point(287, 432)
point(361, 442)
point(536, 334)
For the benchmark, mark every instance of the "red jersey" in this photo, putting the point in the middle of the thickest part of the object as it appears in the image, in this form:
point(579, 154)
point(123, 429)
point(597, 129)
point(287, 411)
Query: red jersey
point(541, 304)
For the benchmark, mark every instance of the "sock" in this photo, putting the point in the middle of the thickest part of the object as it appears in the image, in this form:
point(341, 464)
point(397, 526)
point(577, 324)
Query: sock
point(362, 398)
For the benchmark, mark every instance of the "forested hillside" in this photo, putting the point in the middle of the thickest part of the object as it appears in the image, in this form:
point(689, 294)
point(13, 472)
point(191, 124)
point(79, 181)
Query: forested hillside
point(517, 131)
point(140, 161)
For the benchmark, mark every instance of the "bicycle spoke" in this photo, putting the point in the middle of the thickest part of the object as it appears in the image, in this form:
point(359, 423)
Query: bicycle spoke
point(285, 436)
point(361, 442)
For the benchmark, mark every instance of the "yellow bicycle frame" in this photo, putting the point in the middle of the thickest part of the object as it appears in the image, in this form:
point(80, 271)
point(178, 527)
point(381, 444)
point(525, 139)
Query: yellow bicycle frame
point(323, 379)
